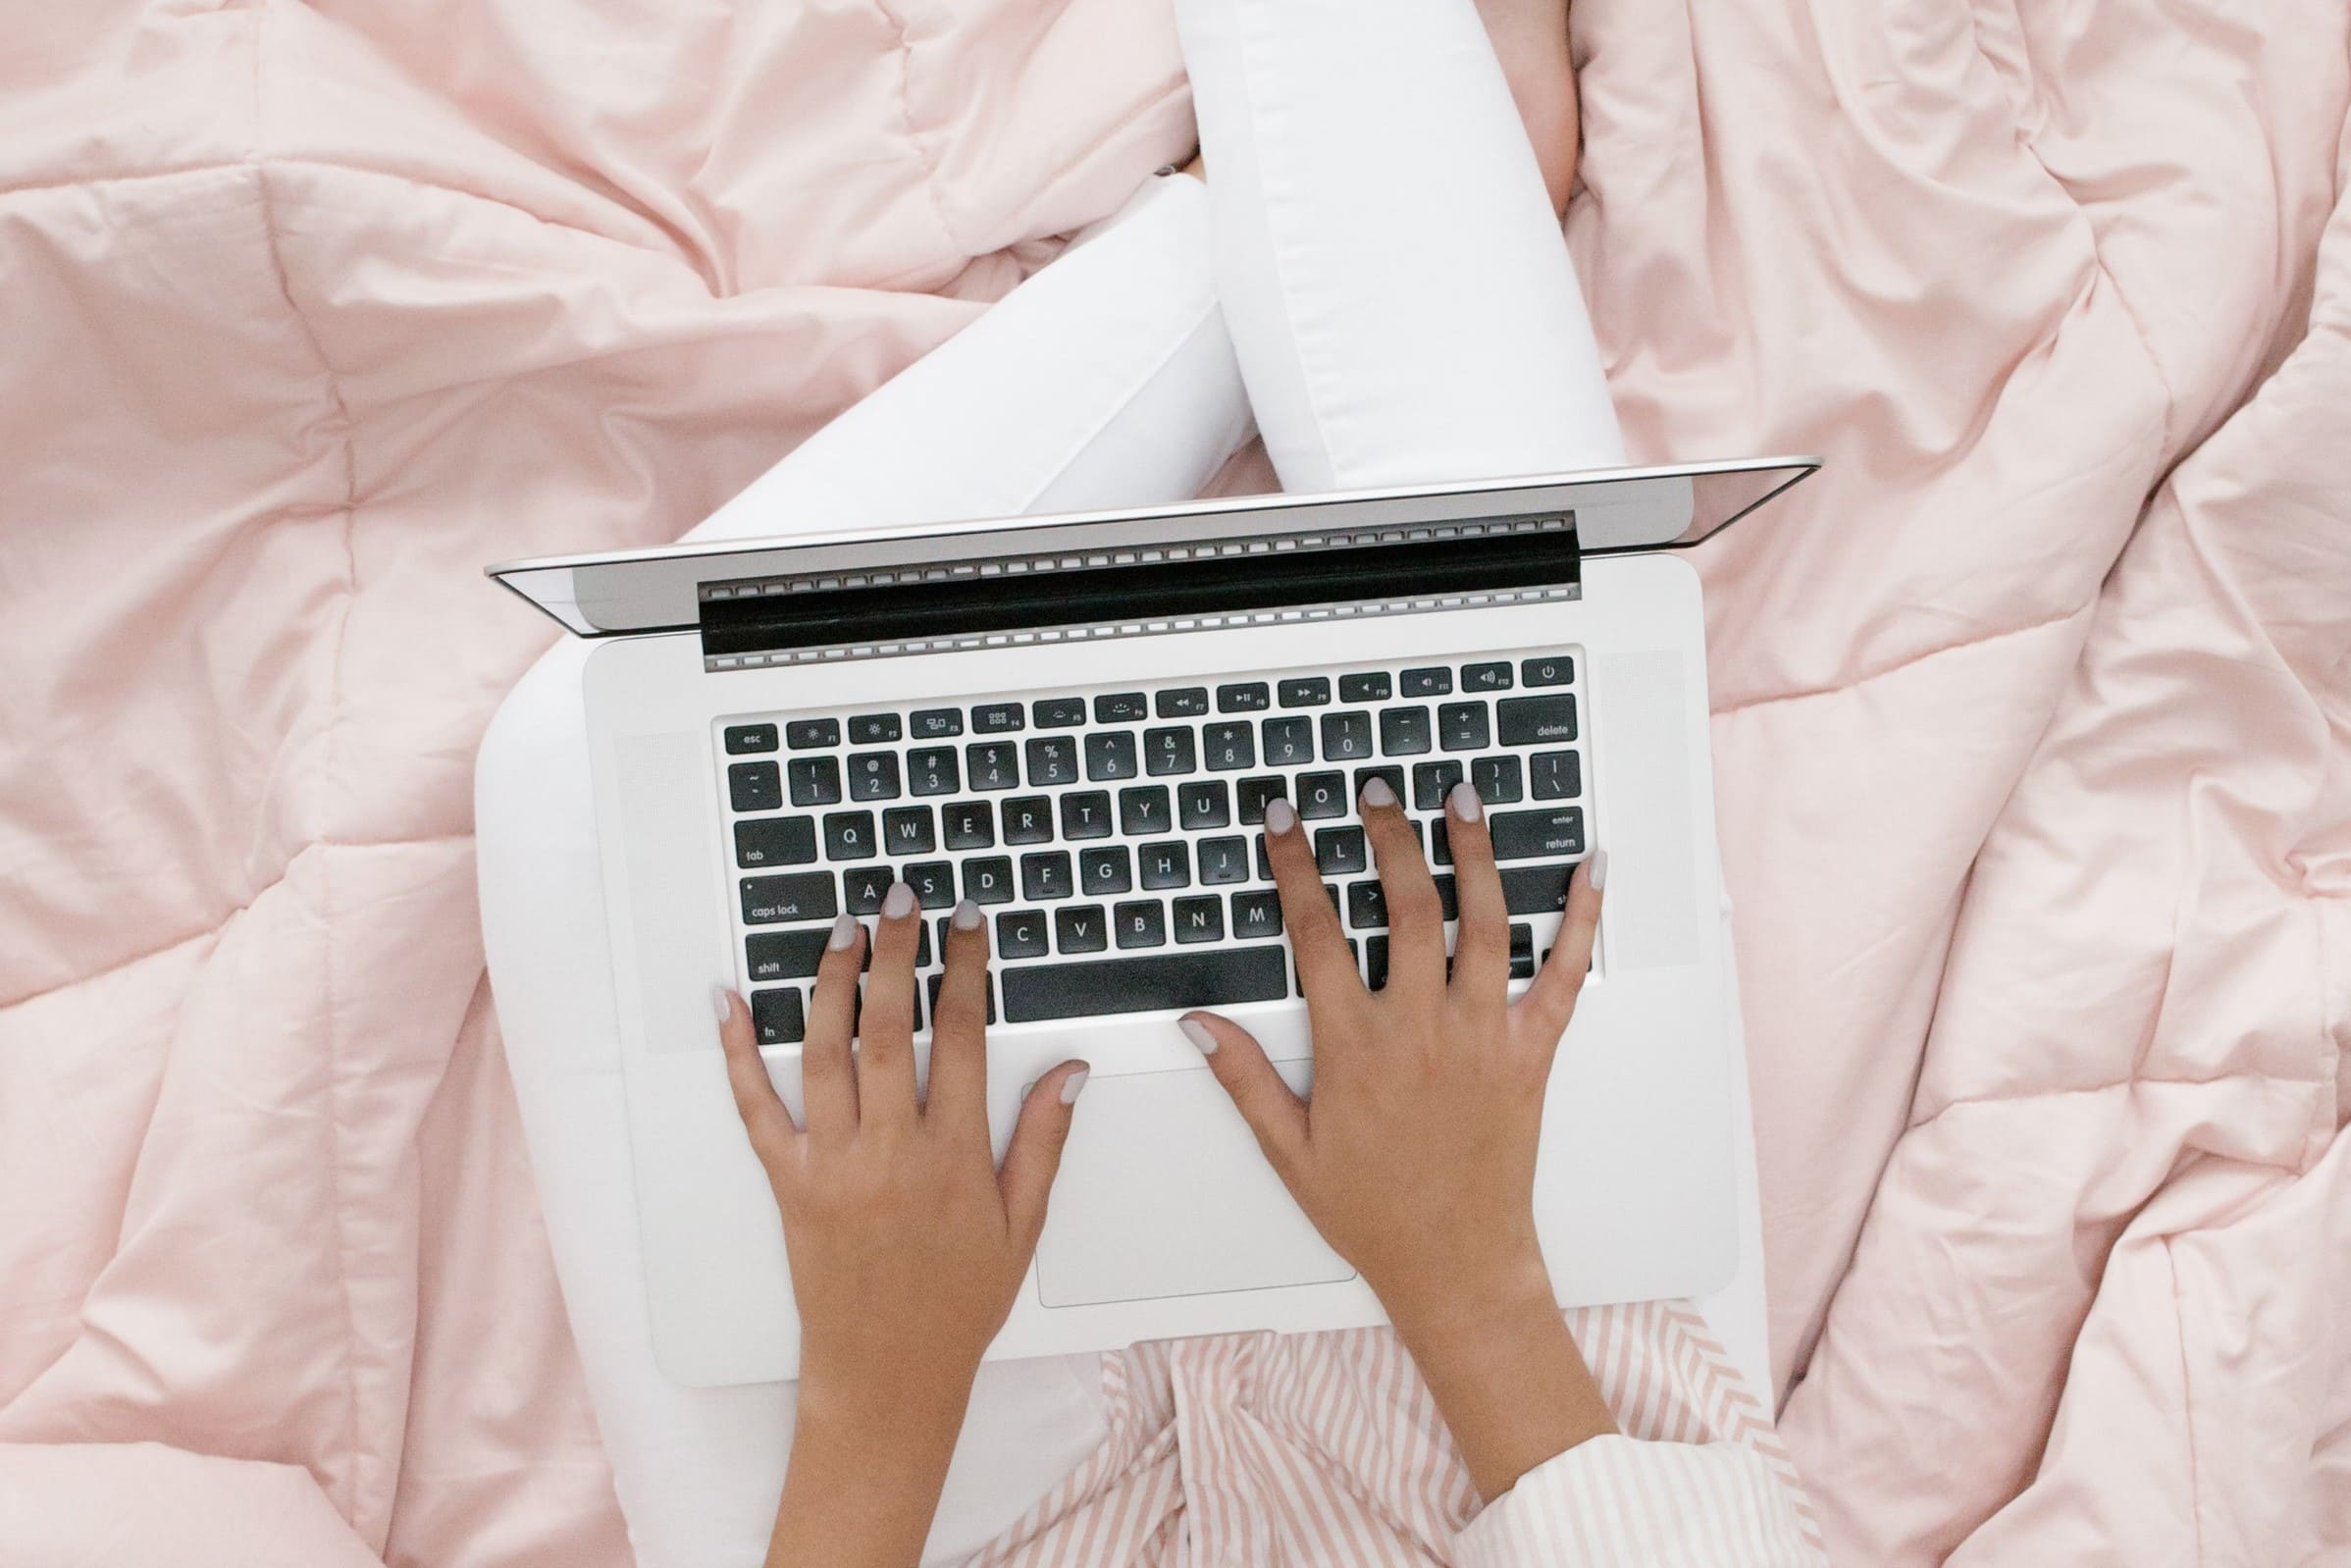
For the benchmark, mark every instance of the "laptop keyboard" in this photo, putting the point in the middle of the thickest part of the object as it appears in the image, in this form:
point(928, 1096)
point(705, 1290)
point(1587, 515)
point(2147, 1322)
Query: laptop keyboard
point(1113, 835)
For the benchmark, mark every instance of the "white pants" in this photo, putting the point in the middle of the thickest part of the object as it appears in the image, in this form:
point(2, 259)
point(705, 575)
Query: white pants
point(1374, 271)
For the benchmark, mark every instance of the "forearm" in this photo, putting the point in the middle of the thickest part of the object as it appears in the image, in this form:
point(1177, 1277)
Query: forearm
point(864, 1479)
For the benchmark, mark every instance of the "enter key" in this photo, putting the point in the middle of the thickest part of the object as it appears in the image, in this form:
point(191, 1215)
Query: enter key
point(1538, 835)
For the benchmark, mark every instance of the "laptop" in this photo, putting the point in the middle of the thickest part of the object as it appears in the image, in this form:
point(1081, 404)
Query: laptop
point(1078, 721)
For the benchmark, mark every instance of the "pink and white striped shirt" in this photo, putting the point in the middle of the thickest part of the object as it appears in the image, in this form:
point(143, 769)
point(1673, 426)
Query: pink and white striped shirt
point(1325, 1451)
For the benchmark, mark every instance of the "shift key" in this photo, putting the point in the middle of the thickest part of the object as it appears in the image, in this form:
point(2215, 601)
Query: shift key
point(1538, 835)
point(801, 896)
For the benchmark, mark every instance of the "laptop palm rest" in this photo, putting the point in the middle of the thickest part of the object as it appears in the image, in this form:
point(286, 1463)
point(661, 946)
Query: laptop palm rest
point(1163, 1192)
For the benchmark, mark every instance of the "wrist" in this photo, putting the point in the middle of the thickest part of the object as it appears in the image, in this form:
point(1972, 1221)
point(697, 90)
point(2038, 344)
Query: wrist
point(1504, 1285)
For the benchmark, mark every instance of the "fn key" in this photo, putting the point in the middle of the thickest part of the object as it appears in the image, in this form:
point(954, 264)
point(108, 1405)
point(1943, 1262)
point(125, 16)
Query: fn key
point(777, 1018)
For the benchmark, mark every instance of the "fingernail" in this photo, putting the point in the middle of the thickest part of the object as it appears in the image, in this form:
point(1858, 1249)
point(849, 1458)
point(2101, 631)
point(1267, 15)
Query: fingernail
point(1596, 869)
point(1197, 1033)
point(1377, 793)
point(726, 1003)
point(899, 902)
point(967, 915)
point(1075, 1085)
point(1281, 816)
point(845, 932)
point(1462, 800)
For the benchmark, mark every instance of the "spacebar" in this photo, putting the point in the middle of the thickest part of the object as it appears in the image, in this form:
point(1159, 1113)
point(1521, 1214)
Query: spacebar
point(1034, 992)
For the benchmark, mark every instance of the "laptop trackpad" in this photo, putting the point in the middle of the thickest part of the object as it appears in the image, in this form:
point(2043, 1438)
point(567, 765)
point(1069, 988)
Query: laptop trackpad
point(1163, 1192)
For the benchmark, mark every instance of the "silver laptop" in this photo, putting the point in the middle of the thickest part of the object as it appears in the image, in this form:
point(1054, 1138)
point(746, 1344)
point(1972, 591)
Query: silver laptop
point(1078, 723)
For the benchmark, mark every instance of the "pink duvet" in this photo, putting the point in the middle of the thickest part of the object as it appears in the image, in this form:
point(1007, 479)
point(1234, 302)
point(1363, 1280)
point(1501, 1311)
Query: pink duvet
point(2034, 729)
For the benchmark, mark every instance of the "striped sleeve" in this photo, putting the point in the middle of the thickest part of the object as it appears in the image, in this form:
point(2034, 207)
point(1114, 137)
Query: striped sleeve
point(1626, 1503)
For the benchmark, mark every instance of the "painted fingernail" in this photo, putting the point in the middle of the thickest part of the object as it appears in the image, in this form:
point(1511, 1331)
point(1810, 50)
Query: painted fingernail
point(1281, 816)
point(725, 999)
point(1462, 800)
point(1198, 1033)
point(899, 902)
point(1075, 1085)
point(1596, 870)
point(967, 915)
point(845, 932)
point(1377, 793)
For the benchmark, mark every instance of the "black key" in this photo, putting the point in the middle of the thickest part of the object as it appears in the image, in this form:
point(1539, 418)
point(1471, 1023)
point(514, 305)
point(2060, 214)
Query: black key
point(1339, 851)
point(908, 830)
point(1306, 691)
point(1121, 707)
point(1243, 697)
point(933, 882)
point(1367, 907)
point(775, 841)
point(1144, 811)
point(863, 887)
point(921, 945)
point(757, 786)
point(1498, 779)
point(1535, 889)
point(1046, 876)
point(969, 824)
point(1022, 934)
point(988, 879)
point(1537, 720)
point(1522, 952)
point(996, 719)
point(1288, 742)
point(1165, 865)
point(935, 724)
point(815, 780)
point(1448, 897)
point(797, 896)
point(1105, 871)
point(1431, 782)
point(1058, 712)
point(1257, 914)
point(1140, 924)
point(933, 771)
point(1404, 731)
point(1079, 928)
point(1435, 681)
point(1551, 669)
point(1229, 746)
point(931, 984)
point(777, 1017)
point(1223, 860)
point(810, 734)
point(1110, 754)
point(849, 836)
point(1053, 760)
point(1461, 726)
point(1168, 750)
point(1200, 919)
point(741, 738)
point(1086, 814)
point(872, 729)
point(1366, 687)
point(1441, 851)
point(1028, 820)
point(1485, 677)
point(1321, 795)
point(1206, 804)
point(1394, 775)
point(1346, 736)
point(1537, 835)
point(873, 776)
point(993, 764)
point(1254, 793)
point(1189, 702)
point(1205, 978)
point(1374, 961)
point(1559, 775)
point(785, 954)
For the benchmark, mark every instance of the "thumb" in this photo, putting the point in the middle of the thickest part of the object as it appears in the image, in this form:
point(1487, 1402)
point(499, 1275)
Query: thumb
point(1273, 1113)
point(1034, 1155)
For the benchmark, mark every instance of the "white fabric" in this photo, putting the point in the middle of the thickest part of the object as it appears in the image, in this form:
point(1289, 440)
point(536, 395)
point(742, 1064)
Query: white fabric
point(1624, 1503)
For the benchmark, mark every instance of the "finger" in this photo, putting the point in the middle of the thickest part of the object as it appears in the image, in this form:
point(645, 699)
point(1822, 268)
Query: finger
point(1315, 937)
point(1416, 923)
point(1551, 998)
point(1273, 1113)
point(886, 1024)
point(765, 1117)
point(1481, 941)
point(1034, 1155)
point(959, 1028)
point(828, 1084)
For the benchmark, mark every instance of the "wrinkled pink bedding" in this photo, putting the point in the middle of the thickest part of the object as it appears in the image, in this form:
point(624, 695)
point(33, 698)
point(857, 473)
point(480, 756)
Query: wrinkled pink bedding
point(2034, 736)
